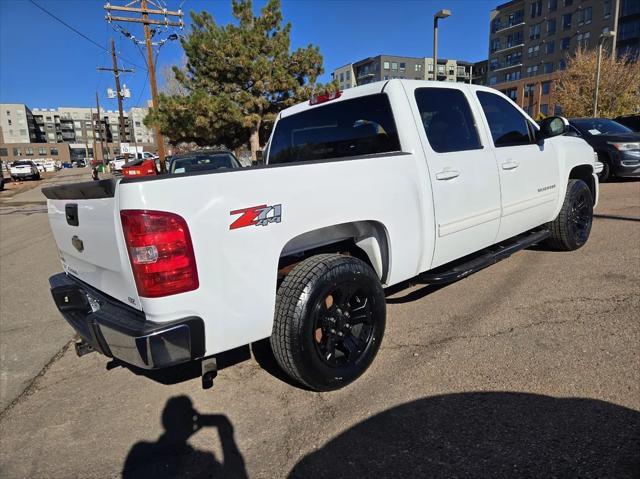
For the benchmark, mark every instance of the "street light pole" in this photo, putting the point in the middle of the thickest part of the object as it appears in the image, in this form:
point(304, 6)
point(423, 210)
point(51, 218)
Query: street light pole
point(610, 34)
point(440, 14)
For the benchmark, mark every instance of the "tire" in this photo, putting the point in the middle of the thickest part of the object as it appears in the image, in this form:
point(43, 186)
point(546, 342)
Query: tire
point(605, 174)
point(36, 177)
point(571, 229)
point(329, 321)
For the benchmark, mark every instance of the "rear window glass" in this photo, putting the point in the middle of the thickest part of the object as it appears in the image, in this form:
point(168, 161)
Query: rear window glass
point(361, 126)
point(190, 164)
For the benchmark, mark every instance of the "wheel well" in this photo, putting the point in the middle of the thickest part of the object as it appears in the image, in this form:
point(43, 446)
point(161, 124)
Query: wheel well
point(365, 240)
point(584, 173)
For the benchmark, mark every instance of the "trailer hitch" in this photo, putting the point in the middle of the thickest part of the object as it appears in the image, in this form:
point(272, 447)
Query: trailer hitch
point(209, 372)
point(83, 348)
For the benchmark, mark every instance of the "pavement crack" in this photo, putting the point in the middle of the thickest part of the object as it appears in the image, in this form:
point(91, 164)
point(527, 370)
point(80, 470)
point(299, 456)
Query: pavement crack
point(30, 388)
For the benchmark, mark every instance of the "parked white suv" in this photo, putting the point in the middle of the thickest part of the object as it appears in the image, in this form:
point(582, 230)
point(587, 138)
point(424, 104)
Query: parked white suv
point(22, 169)
point(362, 189)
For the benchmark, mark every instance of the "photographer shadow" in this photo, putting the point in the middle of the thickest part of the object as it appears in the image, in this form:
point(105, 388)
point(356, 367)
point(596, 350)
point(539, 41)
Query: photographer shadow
point(171, 456)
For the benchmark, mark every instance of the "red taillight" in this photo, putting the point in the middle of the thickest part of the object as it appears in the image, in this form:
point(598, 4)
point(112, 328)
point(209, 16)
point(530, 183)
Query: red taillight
point(160, 251)
point(324, 97)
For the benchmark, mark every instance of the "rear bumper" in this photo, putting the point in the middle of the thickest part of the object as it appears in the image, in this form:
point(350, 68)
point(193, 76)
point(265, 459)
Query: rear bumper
point(119, 331)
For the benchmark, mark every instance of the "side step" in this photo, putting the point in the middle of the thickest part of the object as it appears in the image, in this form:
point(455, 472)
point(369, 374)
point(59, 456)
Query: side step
point(470, 264)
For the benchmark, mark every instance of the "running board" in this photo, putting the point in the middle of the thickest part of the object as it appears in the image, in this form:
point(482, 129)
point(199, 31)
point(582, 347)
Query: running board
point(470, 264)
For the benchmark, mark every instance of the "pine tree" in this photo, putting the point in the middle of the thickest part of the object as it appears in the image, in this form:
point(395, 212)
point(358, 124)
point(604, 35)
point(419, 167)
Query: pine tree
point(237, 78)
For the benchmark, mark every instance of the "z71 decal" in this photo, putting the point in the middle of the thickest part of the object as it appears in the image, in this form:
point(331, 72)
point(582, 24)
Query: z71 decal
point(260, 215)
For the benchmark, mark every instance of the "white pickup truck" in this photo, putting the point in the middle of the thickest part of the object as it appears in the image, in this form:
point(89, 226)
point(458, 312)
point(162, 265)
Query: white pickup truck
point(361, 190)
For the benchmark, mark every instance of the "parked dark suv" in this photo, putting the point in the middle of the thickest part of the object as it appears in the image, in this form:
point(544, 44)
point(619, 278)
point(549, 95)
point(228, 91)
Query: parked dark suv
point(630, 121)
point(617, 146)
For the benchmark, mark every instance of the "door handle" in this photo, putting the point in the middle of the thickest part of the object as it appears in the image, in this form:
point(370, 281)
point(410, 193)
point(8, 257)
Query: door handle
point(510, 165)
point(447, 175)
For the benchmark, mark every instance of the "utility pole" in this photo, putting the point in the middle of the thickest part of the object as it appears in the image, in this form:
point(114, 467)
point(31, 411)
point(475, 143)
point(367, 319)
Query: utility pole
point(119, 93)
point(146, 20)
point(99, 129)
point(438, 15)
point(616, 13)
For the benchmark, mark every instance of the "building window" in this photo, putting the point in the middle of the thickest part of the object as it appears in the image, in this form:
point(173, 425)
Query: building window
point(347, 76)
point(4, 152)
point(567, 3)
point(548, 67)
point(536, 8)
point(606, 8)
point(17, 152)
point(551, 27)
point(512, 76)
point(511, 93)
point(585, 16)
point(544, 109)
point(562, 64)
point(8, 113)
point(53, 151)
point(557, 110)
point(546, 87)
point(550, 47)
point(385, 65)
point(583, 39)
point(418, 67)
point(341, 77)
point(29, 151)
point(533, 51)
point(564, 43)
point(532, 70)
point(403, 67)
point(553, 5)
point(566, 21)
point(48, 118)
point(534, 32)
point(528, 90)
point(440, 69)
point(42, 151)
point(394, 66)
point(493, 80)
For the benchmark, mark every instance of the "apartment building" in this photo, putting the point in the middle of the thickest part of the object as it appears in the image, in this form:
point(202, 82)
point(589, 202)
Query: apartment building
point(387, 67)
point(68, 133)
point(530, 41)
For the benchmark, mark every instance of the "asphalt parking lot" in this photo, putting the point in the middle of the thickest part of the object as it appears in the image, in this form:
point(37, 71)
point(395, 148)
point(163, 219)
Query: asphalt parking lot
point(530, 368)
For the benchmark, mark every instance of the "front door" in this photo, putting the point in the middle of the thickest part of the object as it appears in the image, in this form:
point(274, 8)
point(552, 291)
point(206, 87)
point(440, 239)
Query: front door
point(464, 175)
point(528, 170)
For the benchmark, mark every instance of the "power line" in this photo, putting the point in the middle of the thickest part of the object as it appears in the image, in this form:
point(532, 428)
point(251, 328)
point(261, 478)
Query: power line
point(73, 29)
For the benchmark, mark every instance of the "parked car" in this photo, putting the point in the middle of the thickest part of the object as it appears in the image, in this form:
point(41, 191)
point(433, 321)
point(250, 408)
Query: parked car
point(40, 166)
point(117, 163)
point(67, 164)
point(80, 163)
point(360, 190)
point(205, 160)
point(140, 167)
point(22, 169)
point(618, 147)
point(630, 121)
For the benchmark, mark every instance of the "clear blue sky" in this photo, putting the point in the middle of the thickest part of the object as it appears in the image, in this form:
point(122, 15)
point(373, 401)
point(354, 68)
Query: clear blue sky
point(44, 64)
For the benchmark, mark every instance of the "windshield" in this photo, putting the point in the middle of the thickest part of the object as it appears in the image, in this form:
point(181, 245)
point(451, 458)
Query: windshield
point(21, 163)
point(597, 126)
point(203, 162)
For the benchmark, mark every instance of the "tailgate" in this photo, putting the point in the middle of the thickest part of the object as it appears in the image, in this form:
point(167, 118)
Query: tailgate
point(85, 221)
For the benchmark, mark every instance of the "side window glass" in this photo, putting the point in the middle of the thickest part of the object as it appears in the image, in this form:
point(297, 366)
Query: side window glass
point(447, 119)
point(508, 126)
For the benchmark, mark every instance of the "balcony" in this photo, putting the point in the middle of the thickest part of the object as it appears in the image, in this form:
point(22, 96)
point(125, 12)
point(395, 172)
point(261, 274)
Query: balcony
point(506, 67)
point(501, 28)
point(505, 49)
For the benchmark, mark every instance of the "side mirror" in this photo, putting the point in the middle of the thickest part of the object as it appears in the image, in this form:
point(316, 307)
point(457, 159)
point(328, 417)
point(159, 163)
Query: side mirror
point(553, 126)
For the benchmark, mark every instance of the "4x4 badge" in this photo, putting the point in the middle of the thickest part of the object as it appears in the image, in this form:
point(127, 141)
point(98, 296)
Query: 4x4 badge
point(260, 215)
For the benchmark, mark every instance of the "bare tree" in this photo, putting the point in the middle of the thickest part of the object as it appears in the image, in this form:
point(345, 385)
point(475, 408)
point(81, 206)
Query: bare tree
point(619, 92)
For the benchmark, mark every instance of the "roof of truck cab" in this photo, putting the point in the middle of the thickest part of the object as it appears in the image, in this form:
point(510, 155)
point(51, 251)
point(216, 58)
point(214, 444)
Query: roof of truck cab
point(376, 87)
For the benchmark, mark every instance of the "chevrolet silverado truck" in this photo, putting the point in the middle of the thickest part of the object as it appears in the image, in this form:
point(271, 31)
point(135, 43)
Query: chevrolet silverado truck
point(360, 190)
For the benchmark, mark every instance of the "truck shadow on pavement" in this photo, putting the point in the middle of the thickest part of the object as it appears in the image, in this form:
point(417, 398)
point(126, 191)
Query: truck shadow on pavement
point(485, 434)
point(172, 457)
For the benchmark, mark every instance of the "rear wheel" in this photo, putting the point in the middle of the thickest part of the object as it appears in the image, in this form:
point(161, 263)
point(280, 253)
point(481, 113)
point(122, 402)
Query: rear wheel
point(329, 321)
point(571, 229)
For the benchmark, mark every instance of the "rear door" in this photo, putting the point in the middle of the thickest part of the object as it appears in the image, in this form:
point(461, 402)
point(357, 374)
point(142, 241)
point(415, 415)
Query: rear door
point(529, 170)
point(463, 173)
